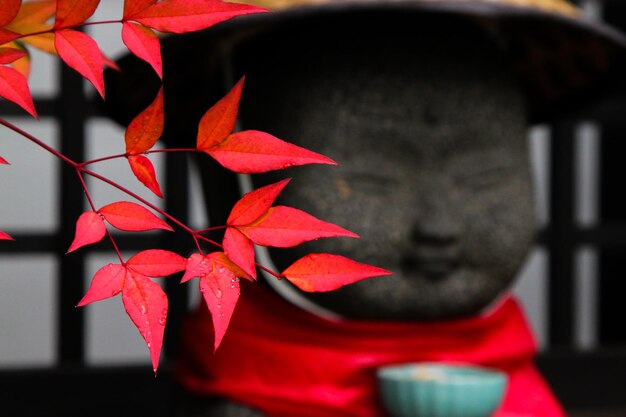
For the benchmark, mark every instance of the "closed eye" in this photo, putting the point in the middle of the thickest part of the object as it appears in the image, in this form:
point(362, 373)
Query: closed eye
point(371, 179)
point(484, 177)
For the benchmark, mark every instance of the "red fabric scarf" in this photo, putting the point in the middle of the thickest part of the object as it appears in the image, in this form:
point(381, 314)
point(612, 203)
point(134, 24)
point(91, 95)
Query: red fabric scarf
point(289, 363)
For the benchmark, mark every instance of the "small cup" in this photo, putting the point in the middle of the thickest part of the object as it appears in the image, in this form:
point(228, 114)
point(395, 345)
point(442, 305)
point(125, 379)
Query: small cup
point(440, 390)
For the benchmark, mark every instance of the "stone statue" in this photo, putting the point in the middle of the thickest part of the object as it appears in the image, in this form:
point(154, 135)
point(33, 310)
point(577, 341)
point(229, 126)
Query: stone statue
point(427, 115)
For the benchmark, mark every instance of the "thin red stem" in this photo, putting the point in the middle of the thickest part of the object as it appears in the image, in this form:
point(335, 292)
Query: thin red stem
point(174, 150)
point(210, 229)
point(125, 155)
point(106, 158)
point(39, 143)
point(84, 185)
point(269, 271)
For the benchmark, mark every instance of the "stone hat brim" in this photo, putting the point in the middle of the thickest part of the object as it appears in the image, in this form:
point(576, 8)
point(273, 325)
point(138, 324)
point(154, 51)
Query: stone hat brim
point(563, 60)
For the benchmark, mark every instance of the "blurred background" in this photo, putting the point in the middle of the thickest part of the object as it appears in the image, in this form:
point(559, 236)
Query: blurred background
point(53, 355)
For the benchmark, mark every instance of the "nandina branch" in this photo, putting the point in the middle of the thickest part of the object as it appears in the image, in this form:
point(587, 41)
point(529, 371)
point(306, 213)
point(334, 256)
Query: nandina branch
point(82, 170)
point(210, 229)
point(84, 185)
point(148, 204)
point(106, 158)
point(269, 271)
point(126, 155)
point(39, 143)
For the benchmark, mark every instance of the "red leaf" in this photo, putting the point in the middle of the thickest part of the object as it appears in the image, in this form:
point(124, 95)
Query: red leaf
point(90, 229)
point(157, 263)
point(219, 285)
point(5, 236)
point(3, 161)
point(7, 36)
point(72, 13)
point(144, 171)
point(252, 152)
point(146, 305)
point(326, 272)
point(284, 227)
point(220, 290)
point(8, 55)
point(8, 11)
point(81, 52)
point(240, 250)
point(132, 7)
point(181, 16)
point(255, 204)
point(219, 121)
point(108, 282)
point(143, 42)
point(132, 217)
point(14, 87)
point(146, 128)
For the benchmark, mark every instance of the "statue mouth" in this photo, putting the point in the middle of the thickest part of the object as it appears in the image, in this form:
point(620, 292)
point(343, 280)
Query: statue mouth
point(432, 263)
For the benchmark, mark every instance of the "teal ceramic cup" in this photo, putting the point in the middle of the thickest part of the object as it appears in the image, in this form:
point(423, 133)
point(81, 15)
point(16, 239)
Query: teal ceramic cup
point(440, 390)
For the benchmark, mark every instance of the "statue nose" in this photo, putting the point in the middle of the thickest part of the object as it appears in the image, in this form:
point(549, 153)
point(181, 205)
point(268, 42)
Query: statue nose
point(438, 221)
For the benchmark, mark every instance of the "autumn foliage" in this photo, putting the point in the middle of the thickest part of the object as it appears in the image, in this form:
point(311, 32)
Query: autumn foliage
point(53, 26)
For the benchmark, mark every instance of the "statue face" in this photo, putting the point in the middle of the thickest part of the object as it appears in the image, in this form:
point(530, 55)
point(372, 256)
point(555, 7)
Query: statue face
point(433, 174)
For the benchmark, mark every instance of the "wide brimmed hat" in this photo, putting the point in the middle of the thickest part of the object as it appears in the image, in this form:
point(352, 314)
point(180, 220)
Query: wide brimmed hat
point(562, 59)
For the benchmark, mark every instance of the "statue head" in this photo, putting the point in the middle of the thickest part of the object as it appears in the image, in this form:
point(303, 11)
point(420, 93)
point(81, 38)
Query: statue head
point(430, 135)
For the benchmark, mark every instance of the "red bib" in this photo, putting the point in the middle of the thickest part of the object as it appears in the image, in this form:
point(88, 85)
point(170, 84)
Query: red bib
point(289, 363)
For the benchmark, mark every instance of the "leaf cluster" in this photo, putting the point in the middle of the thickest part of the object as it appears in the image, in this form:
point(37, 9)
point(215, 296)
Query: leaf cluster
point(53, 26)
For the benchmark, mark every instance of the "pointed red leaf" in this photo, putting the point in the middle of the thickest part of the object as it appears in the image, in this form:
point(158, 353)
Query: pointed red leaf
point(72, 13)
point(219, 285)
point(8, 55)
point(5, 236)
point(143, 42)
point(253, 152)
point(106, 283)
point(81, 52)
point(219, 121)
point(255, 204)
point(146, 128)
point(181, 16)
point(90, 229)
point(132, 217)
point(284, 227)
point(3, 161)
point(7, 36)
point(132, 7)
point(240, 250)
point(8, 11)
point(157, 263)
point(14, 87)
point(144, 171)
point(327, 272)
point(146, 305)
point(220, 306)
